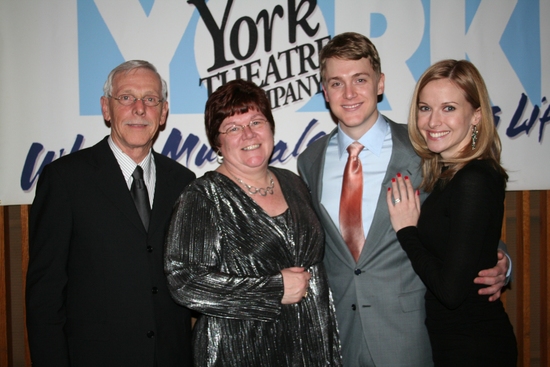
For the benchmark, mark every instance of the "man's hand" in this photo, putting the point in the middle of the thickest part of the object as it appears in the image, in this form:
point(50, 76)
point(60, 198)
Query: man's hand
point(494, 278)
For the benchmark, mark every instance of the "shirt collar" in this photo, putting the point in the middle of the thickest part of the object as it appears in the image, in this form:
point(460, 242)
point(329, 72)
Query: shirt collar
point(127, 164)
point(372, 140)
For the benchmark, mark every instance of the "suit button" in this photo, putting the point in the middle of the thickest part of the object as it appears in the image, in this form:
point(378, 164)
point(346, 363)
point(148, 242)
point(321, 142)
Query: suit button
point(353, 307)
point(149, 249)
point(154, 290)
point(357, 271)
point(150, 334)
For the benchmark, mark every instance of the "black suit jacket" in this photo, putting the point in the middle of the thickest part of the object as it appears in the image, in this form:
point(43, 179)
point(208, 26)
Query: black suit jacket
point(96, 289)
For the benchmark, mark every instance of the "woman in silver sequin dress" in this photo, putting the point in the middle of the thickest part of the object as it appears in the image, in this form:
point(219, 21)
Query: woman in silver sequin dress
point(245, 248)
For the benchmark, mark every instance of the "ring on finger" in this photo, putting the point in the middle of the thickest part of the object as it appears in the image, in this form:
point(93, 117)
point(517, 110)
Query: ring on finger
point(398, 200)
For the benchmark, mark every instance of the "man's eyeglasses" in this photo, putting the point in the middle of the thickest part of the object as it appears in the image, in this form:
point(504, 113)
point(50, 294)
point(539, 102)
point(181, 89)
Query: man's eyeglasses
point(128, 100)
point(237, 129)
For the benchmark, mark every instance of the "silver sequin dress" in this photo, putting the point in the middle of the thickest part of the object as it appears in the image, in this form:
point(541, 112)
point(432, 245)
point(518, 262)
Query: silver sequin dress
point(223, 259)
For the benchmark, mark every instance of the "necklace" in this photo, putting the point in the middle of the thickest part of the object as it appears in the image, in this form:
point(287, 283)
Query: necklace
point(253, 190)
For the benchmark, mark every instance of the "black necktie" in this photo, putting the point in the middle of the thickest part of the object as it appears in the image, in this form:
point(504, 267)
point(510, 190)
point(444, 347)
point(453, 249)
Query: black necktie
point(140, 196)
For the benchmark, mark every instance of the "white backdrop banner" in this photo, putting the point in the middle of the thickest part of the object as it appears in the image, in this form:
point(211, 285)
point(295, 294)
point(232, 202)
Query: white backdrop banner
point(55, 56)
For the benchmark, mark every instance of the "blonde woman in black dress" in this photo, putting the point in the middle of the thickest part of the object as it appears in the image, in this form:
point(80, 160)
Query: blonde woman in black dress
point(457, 232)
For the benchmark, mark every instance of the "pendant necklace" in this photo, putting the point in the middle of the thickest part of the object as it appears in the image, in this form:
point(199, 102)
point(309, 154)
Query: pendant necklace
point(253, 190)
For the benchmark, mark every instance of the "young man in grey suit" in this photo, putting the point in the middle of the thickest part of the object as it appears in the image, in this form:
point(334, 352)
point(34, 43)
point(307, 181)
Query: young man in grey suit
point(379, 298)
point(96, 290)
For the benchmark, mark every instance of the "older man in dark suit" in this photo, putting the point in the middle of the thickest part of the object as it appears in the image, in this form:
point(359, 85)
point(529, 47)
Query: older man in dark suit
point(96, 290)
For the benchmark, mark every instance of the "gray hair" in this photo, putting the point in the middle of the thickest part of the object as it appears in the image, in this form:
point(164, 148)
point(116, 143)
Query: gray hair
point(127, 67)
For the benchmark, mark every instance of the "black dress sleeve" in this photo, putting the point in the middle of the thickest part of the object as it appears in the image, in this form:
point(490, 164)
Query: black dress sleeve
point(448, 258)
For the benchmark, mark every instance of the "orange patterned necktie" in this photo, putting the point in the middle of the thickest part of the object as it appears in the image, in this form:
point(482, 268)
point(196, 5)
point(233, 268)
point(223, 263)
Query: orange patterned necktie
point(351, 201)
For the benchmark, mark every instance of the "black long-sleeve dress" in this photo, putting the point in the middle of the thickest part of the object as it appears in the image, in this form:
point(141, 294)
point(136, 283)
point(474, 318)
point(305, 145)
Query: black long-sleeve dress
point(223, 258)
point(457, 236)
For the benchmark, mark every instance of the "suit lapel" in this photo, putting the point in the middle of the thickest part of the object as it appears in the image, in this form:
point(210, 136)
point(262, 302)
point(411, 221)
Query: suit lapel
point(317, 168)
point(164, 195)
point(110, 182)
point(403, 160)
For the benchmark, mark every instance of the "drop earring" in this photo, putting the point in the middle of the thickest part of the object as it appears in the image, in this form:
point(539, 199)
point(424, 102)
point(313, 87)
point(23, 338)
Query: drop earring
point(474, 137)
point(219, 157)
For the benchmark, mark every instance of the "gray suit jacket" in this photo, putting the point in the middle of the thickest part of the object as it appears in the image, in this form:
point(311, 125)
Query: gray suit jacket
point(382, 286)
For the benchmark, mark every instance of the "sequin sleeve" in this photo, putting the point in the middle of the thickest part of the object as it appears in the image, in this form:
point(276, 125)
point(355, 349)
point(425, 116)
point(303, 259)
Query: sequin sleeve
point(198, 278)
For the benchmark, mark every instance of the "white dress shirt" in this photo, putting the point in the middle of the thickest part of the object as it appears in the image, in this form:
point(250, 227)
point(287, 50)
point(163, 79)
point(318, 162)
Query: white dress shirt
point(128, 166)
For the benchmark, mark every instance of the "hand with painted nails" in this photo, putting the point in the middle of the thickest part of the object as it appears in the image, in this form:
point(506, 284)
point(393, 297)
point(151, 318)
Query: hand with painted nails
point(403, 203)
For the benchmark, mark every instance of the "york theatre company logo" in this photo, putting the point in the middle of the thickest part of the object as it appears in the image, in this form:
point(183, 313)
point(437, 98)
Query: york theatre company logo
point(276, 47)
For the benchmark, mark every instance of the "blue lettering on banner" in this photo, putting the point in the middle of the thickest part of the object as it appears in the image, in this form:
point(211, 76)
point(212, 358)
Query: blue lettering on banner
point(514, 129)
point(36, 150)
point(175, 149)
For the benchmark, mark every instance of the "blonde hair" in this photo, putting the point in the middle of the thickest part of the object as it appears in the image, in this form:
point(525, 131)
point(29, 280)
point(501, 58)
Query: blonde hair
point(349, 46)
point(465, 76)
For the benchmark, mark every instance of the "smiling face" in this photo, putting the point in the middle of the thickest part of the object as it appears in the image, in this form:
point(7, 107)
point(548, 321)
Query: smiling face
point(351, 88)
point(248, 150)
point(445, 118)
point(134, 127)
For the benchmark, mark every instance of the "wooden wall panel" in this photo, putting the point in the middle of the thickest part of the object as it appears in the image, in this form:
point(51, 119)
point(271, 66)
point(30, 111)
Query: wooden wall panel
point(5, 303)
point(503, 237)
point(522, 278)
point(24, 266)
point(544, 278)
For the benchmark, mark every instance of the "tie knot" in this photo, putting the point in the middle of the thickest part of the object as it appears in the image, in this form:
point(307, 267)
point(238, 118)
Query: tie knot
point(355, 148)
point(138, 173)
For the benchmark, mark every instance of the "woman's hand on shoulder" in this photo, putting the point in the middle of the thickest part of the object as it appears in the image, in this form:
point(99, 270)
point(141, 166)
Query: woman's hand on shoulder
point(403, 203)
point(296, 284)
